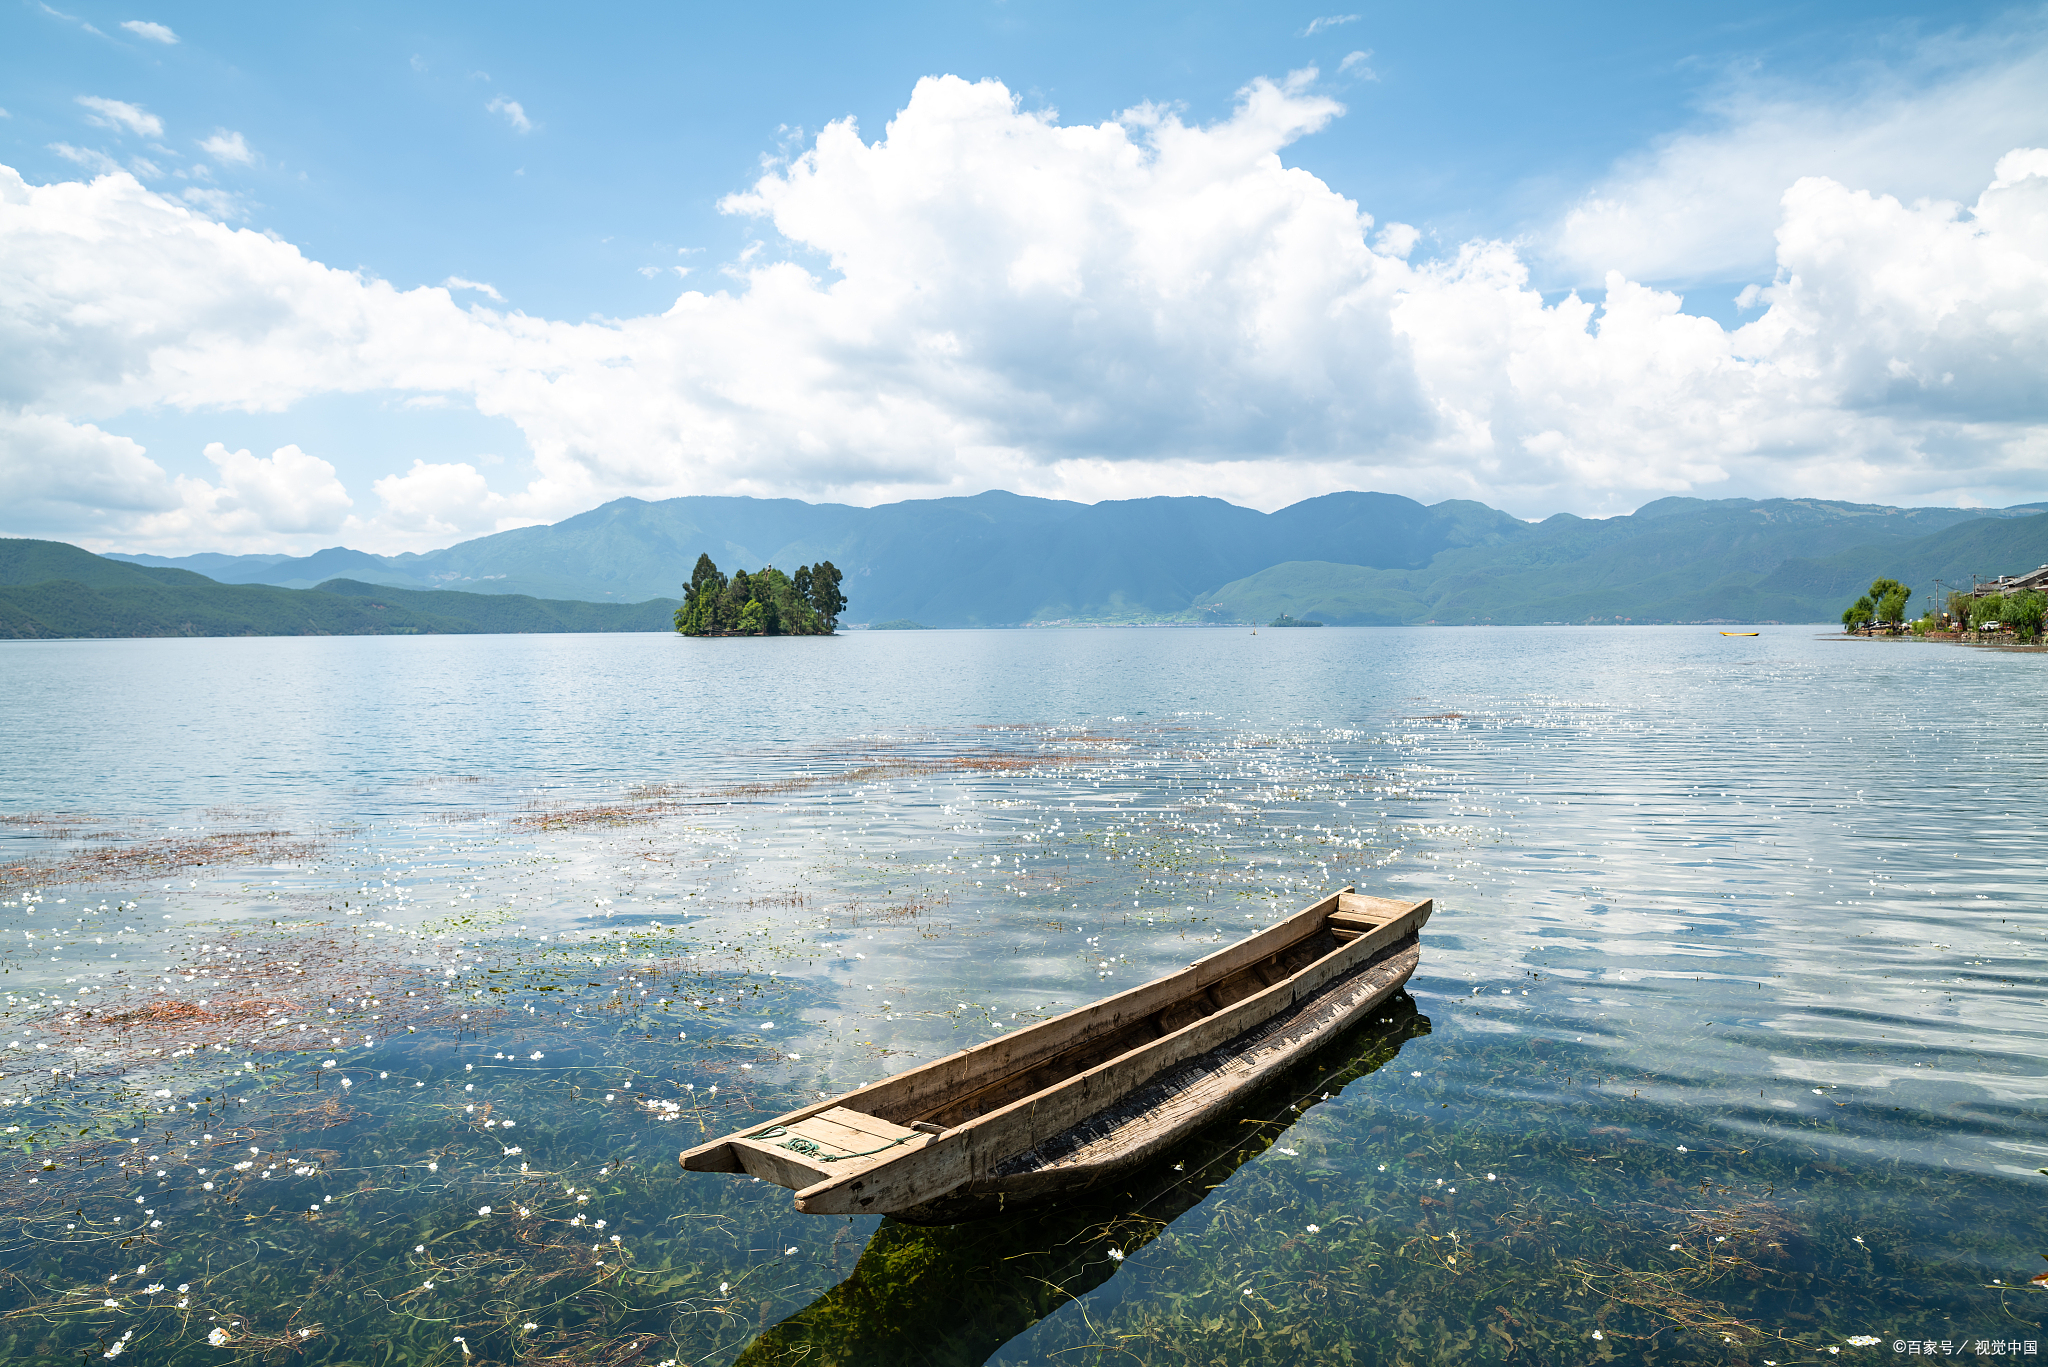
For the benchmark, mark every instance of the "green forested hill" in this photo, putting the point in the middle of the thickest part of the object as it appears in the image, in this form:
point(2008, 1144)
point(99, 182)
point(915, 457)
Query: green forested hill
point(1003, 559)
point(49, 589)
point(1986, 548)
point(1681, 560)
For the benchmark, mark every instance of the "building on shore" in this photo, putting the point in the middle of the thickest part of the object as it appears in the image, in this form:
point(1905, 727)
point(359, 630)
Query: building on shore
point(2012, 583)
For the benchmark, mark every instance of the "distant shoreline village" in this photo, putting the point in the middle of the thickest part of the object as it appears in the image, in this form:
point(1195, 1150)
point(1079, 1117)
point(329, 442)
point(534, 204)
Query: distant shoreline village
point(2007, 612)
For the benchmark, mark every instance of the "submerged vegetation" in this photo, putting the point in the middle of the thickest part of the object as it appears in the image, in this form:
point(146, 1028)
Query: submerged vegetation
point(764, 603)
point(420, 1114)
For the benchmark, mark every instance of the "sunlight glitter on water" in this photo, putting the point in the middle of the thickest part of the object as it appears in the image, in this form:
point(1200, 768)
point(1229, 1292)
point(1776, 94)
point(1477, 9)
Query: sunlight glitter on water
point(1705, 928)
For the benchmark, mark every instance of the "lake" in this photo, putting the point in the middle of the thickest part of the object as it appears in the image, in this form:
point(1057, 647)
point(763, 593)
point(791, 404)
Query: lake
point(360, 992)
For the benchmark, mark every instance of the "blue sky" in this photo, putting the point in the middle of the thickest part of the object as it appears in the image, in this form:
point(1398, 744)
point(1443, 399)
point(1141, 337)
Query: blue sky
point(573, 159)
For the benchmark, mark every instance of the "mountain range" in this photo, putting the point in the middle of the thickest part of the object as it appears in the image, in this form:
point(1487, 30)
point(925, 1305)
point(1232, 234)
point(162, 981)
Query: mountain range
point(1000, 559)
point(50, 589)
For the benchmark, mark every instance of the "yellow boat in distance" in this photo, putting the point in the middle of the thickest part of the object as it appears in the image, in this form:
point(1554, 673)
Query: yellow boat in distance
point(1739, 633)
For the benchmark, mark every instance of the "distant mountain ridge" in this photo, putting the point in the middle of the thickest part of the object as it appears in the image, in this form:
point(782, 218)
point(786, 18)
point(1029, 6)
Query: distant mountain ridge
point(992, 559)
point(51, 590)
point(1000, 559)
point(1677, 560)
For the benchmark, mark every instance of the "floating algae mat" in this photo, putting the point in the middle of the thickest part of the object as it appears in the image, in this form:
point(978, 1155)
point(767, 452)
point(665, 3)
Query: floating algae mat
point(1704, 1062)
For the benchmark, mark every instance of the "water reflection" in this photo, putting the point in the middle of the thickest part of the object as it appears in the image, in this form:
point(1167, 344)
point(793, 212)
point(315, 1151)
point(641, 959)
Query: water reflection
point(953, 1295)
point(1754, 938)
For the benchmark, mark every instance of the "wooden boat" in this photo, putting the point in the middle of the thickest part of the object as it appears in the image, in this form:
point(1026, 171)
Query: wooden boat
point(957, 1292)
point(1739, 633)
point(1058, 1106)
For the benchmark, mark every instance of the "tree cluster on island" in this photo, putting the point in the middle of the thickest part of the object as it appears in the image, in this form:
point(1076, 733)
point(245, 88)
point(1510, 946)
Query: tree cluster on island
point(1285, 620)
point(764, 603)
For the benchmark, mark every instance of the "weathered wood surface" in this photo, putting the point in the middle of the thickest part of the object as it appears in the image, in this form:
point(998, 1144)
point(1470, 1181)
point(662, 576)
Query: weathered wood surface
point(834, 1143)
point(976, 1148)
point(1009, 1096)
point(915, 1094)
point(1166, 1110)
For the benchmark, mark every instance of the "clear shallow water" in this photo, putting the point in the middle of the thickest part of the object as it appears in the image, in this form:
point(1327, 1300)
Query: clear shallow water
point(1776, 900)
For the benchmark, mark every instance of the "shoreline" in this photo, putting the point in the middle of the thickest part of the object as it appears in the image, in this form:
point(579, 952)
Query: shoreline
point(1974, 640)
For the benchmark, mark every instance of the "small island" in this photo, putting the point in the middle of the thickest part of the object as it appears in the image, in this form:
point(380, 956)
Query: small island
point(899, 624)
point(764, 603)
point(1283, 620)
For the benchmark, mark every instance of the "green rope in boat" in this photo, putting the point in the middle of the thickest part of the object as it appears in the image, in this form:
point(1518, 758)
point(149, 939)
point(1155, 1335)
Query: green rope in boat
point(799, 1144)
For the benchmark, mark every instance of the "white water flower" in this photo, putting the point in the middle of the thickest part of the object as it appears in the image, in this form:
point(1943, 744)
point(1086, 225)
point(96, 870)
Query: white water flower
point(1116, 1255)
point(218, 1337)
point(1598, 1335)
point(1315, 1229)
point(1863, 1340)
point(483, 1210)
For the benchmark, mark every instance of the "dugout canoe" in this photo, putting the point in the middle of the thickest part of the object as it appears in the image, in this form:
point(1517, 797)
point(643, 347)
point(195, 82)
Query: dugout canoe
point(1058, 1106)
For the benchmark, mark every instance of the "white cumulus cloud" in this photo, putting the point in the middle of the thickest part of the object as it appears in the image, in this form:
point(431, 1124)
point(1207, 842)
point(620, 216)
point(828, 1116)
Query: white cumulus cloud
point(73, 481)
point(285, 493)
point(119, 114)
point(513, 112)
point(1138, 306)
point(156, 33)
point(456, 282)
point(1703, 204)
point(92, 159)
point(436, 503)
point(226, 146)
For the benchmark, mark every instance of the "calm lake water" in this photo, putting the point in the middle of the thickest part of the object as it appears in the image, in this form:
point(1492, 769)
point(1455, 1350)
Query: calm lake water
point(360, 992)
